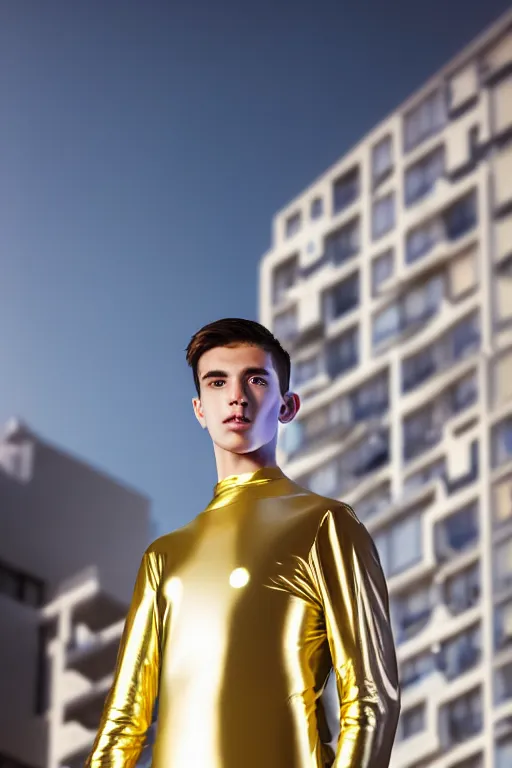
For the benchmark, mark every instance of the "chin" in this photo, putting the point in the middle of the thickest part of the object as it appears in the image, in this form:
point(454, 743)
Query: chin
point(240, 444)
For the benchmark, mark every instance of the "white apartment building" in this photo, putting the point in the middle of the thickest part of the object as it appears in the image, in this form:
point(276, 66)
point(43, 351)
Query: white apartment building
point(71, 539)
point(389, 280)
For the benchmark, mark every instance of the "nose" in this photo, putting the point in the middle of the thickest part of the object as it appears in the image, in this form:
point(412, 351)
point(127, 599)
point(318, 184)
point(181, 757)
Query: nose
point(239, 400)
point(237, 396)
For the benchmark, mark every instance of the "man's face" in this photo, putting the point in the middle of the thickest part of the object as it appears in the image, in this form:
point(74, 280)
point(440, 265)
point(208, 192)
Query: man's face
point(241, 403)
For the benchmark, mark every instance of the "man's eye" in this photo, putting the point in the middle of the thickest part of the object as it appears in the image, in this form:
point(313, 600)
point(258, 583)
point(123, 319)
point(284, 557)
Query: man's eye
point(215, 382)
point(259, 379)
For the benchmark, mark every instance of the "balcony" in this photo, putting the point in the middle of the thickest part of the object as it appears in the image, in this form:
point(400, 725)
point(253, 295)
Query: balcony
point(95, 657)
point(77, 759)
point(100, 611)
point(86, 709)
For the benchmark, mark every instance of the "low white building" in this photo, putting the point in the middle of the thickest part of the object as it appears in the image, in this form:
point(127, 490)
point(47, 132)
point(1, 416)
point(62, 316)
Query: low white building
point(71, 540)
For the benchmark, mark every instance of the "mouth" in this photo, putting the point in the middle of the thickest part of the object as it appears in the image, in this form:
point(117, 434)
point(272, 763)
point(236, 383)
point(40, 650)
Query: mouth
point(238, 422)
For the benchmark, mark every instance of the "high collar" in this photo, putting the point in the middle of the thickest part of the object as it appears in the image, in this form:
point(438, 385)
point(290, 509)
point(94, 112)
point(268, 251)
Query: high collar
point(233, 484)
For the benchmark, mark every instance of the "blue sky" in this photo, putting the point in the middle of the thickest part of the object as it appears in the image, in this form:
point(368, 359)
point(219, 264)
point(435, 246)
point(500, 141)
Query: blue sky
point(144, 148)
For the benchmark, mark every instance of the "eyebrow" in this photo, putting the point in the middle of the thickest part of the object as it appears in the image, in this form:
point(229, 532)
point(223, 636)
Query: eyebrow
point(217, 374)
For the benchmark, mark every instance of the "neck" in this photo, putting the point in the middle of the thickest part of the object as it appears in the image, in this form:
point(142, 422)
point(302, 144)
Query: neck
point(241, 463)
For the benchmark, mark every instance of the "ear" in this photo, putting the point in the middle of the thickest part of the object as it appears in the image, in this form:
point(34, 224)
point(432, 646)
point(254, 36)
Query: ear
point(198, 411)
point(289, 408)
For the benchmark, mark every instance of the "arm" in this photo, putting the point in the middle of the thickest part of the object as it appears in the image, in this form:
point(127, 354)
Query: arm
point(354, 596)
point(129, 706)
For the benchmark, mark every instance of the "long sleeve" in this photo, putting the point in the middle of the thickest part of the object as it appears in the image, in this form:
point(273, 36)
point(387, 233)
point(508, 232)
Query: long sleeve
point(353, 592)
point(129, 706)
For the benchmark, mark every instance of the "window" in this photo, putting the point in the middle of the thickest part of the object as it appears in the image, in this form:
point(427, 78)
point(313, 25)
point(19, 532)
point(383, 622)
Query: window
point(458, 531)
point(465, 337)
point(462, 591)
point(461, 218)
point(342, 353)
point(502, 442)
point(461, 653)
point(463, 717)
point(412, 309)
point(382, 159)
point(410, 612)
point(345, 190)
point(502, 378)
point(305, 370)
point(371, 399)
point(383, 216)
point(417, 668)
point(421, 431)
point(285, 277)
point(412, 721)
point(365, 457)
point(425, 120)
point(368, 456)
point(502, 493)
point(382, 269)
point(400, 546)
point(21, 587)
point(317, 208)
point(421, 240)
point(285, 324)
point(418, 368)
point(341, 245)
point(464, 393)
point(420, 178)
point(503, 564)
point(293, 224)
point(503, 684)
point(342, 298)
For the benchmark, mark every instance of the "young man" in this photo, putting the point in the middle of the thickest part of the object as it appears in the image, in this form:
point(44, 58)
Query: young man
point(238, 619)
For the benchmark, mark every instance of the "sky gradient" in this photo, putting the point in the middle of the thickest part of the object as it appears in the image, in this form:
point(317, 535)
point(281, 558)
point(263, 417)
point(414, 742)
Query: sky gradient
point(144, 148)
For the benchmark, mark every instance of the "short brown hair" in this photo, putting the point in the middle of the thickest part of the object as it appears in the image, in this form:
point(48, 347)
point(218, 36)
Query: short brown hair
point(233, 330)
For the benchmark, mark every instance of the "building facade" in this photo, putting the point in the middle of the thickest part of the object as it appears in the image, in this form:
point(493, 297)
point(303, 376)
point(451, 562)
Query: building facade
point(71, 539)
point(389, 280)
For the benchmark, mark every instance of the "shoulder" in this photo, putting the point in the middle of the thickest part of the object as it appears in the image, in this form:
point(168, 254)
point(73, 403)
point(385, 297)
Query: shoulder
point(161, 546)
point(325, 508)
point(338, 520)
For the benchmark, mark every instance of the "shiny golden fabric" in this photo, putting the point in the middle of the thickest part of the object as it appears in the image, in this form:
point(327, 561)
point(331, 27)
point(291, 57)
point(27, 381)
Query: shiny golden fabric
point(237, 620)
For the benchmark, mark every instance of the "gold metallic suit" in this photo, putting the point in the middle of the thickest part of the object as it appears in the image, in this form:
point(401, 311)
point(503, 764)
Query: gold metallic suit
point(236, 621)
